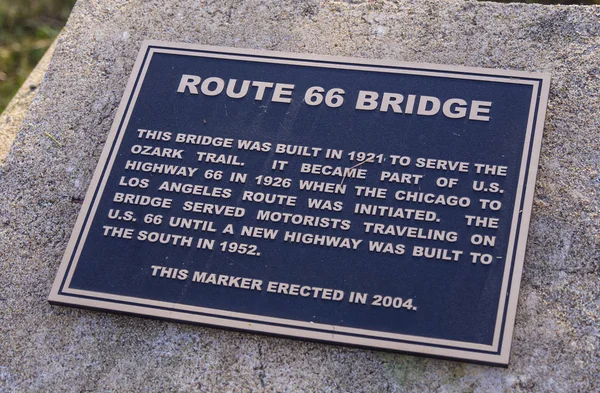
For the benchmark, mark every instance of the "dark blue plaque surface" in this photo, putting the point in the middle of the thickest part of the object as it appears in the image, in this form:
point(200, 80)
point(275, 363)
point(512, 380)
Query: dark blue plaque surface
point(370, 203)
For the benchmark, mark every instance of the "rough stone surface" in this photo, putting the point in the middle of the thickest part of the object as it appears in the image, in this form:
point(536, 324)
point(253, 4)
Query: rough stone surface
point(57, 349)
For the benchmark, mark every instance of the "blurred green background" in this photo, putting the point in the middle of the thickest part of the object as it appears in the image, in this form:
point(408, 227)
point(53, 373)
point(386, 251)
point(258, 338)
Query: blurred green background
point(28, 27)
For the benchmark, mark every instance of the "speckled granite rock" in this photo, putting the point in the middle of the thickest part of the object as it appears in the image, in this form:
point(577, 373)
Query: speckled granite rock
point(58, 349)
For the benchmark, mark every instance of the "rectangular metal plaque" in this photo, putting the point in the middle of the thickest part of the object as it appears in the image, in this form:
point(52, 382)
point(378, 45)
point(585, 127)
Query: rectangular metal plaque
point(364, 202)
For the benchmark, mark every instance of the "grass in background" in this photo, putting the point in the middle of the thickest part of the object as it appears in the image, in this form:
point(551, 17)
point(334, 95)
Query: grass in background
point(27, 29)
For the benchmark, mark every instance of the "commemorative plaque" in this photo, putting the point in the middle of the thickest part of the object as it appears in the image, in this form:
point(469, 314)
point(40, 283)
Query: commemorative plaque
point(369, 203)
